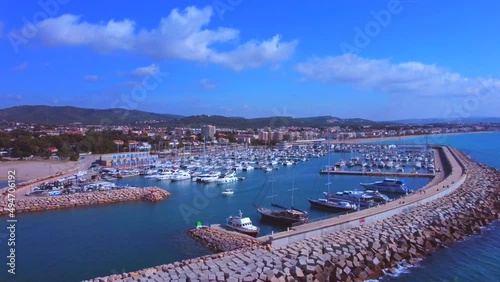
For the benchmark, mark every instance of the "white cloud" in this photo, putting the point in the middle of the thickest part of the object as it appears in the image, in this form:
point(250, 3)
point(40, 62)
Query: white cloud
point(387, 77)
point(21, 67)
point(254, 53)
point(182, 35)
point(14, 97)
point(91, 78)
point(145, 71)
point(206, 84)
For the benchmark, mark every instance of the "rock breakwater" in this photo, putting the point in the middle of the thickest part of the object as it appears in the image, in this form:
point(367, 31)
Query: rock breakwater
point(356, 254)
point(220, 241)
point(32, 204)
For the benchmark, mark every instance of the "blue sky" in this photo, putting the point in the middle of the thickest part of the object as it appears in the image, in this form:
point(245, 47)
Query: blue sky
point(379, 60)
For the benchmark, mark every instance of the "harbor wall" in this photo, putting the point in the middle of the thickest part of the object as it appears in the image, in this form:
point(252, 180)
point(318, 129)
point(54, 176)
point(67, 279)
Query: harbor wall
point(34, 204)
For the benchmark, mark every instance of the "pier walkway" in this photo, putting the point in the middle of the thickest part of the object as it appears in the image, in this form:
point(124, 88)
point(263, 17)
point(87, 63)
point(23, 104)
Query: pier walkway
point(378, 173)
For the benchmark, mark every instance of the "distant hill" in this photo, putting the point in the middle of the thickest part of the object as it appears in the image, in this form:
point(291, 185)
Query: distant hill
point(67, 115)
point(468, 120)
point(276, 121)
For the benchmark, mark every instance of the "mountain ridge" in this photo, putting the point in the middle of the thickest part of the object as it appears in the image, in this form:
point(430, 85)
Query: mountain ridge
point(66, 115)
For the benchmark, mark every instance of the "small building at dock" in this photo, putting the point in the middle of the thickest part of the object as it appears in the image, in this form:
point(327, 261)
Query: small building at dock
point(127, 159)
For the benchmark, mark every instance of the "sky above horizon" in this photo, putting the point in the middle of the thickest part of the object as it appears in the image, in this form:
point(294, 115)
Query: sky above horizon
point(380, 60)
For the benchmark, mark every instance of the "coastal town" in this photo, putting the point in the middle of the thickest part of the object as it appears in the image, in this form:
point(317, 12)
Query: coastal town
point(67, 141)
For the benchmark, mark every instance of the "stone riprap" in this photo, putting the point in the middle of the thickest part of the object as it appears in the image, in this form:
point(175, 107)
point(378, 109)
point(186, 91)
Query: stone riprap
point(356, 254)
point(33, 204)
point(221, 241)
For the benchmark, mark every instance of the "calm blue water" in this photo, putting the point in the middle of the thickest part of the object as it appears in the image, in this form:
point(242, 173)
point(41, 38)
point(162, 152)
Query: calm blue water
point(80, 243)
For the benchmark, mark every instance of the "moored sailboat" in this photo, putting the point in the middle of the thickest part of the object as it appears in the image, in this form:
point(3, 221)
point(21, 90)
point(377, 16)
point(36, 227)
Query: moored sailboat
point(332, 204)
point(283, 215)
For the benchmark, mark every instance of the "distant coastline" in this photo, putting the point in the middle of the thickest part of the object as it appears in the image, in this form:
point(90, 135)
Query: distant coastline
point(375, 139)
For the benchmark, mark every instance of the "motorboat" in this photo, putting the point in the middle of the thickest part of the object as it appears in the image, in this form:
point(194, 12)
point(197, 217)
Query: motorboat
point(242, 224)
point(226, 179)
point(357, 197)
point(376, 196)
point(208, 176)
point(388, 185)
point(180, 175)
point(163, 176)
point(227, 192)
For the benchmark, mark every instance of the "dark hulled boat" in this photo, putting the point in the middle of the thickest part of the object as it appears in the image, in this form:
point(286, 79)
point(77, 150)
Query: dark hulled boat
point(332, 205)
point(283, 215)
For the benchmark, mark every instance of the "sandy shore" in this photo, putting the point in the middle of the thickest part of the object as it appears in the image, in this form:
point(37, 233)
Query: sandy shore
point(28, 170)
point(433, 138)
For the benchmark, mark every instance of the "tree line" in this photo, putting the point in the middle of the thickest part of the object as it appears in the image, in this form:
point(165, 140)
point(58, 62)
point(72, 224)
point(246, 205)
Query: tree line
point(22, 144)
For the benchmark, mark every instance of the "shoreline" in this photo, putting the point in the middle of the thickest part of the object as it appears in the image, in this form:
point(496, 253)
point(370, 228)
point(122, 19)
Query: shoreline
point(404, 137)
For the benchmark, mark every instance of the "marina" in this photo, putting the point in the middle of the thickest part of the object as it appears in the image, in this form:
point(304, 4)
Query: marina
point(206, 204)
point(339, 248)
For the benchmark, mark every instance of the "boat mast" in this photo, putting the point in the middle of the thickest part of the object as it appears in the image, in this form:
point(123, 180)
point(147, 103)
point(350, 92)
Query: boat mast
point(272, 190)
point(329, 166)
point(293, 184)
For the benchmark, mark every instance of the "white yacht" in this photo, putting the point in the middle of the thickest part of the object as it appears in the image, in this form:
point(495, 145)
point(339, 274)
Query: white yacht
point(242, 224)
point(163, 176)
point(227, 192)
point(389, 185)
point(180, 175)
point(228, 177)
point(211, 174)
point(356, 197)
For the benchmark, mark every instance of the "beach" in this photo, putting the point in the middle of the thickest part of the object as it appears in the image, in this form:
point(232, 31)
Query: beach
point(30, 173)
point(28, 170)
point(432, 137)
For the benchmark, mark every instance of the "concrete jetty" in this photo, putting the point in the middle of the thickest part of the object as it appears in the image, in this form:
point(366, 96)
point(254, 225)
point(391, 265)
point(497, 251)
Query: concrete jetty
point(370, 242)
point(33, 204)
point(377, 173)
